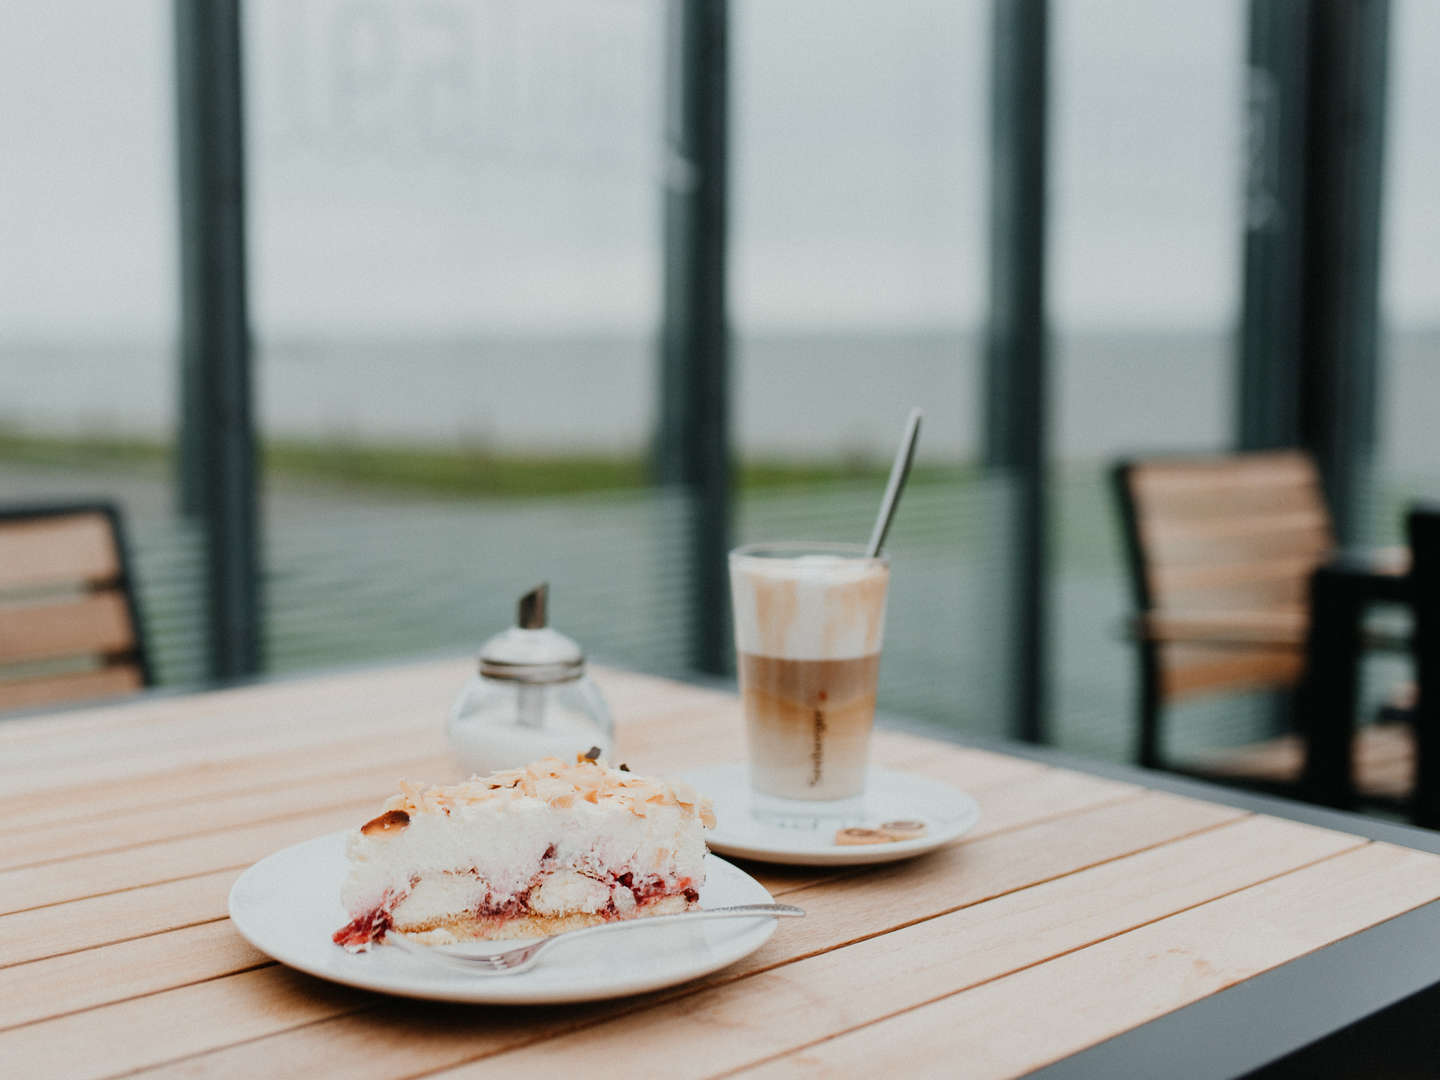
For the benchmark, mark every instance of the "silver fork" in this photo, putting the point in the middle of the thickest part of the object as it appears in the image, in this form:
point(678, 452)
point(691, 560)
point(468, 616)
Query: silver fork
point(524, 957)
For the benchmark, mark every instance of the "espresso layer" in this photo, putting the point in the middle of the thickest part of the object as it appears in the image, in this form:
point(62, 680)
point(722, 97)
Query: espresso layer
point(808, 722)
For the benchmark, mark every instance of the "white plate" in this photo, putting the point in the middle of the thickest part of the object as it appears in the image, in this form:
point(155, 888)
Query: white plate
point(288, 905)
point(889, 796)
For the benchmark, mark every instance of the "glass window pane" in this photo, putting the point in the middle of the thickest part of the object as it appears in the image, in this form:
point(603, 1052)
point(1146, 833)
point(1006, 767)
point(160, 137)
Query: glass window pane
point(456, 268)
point(1409, 282)
point(88, 288)
point(860, 141)
point(1145, 281)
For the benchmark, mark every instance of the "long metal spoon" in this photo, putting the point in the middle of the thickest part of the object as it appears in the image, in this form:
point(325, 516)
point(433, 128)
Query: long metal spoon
point(899, 473)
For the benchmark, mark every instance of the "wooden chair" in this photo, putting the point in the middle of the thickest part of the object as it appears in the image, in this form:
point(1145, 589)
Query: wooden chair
point(69, 628)
point(1423, 526)
point(1220, 553)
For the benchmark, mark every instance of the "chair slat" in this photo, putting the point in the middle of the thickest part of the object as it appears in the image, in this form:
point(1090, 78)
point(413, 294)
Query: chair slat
point(1192, 670)
point(1246, 488)
point(1239, 532)
point(1222, 504)
point(1229, 544)
point(1282, 469)
point(58, 550)
point(1266, 594)
point(97, 683)
point(1280, 626)
point(1161, 528)
point(1198, 577)
point(1384, 761)
point(1246, 539)
point(95, 624)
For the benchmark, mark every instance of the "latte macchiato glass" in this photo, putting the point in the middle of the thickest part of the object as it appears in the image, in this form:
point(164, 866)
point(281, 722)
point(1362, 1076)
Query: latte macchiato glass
point(809, 627)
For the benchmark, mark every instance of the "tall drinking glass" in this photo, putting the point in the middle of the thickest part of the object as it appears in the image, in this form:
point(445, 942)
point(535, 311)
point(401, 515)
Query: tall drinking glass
point(809, 627)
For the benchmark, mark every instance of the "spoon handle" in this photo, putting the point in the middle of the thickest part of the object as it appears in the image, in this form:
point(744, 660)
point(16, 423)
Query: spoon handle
point(899, 473)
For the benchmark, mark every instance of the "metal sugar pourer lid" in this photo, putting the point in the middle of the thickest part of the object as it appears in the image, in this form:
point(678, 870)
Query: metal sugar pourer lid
point(531, 652)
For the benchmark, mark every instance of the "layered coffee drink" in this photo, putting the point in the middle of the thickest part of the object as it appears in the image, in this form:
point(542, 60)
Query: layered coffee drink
point(809, 627)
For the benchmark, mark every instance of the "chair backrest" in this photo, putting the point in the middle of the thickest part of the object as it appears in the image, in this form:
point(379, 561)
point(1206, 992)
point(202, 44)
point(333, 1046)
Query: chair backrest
point(69, 628)
point(1423, 524)
point(1231, 538)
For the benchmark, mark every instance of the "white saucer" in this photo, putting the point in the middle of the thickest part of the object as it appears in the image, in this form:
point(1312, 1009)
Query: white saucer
point(288, 904)
point(889, 796)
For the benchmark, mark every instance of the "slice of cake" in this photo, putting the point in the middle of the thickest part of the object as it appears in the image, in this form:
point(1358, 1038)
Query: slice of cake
point(524, 853)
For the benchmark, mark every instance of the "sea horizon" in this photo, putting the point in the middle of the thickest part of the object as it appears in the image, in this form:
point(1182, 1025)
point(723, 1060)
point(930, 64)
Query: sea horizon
point(796, 394)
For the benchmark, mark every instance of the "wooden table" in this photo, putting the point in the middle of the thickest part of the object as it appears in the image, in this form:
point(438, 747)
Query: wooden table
point(1083, 908)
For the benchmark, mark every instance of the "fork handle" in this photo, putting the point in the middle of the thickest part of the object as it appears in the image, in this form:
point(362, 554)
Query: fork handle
point(782, 911)
point(737, 911)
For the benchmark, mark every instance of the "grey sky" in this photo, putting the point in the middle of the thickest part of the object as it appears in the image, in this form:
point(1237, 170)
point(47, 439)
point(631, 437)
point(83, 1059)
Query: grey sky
point(463, 166)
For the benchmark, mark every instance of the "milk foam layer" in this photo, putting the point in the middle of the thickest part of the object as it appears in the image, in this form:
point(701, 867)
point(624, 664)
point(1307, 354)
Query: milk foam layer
point(811, 607)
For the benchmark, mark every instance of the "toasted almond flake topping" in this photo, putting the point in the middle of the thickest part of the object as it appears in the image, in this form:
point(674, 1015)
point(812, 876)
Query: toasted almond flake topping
point(389, 821)
point(556, 783)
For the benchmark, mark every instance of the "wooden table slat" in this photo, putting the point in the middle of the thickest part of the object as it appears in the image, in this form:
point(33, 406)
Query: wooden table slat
point(170, 788)
point(142, 909)
point(152, 910)
point(125, 829)
point(232, 831)
point(162, 1027)
point(129, 753)
point(256, 715)
point(186, 732)
point(110, 917)
point(1097, 903)
point(776, 1011)
point(851, 909)
point(1112, 986)
point(1005, 863)
point(58, 928)
point(183, 789)
point(357, 696)
point(165, 860)
point(127, 969)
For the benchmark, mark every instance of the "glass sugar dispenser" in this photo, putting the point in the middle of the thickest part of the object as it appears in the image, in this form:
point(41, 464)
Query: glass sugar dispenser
point(530, 698)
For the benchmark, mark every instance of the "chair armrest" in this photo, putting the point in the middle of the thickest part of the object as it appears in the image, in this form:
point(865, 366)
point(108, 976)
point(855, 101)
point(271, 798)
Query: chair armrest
point(1238, 629)
point(1390, 561)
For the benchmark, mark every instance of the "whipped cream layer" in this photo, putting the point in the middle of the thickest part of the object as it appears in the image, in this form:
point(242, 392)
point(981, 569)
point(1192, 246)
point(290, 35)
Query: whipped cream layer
point(811, 607)
point(483, 843)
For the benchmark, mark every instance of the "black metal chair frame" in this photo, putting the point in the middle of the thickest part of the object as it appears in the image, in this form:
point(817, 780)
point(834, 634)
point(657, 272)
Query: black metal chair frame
point(1148, 749)
point(1423, 527)
point(1148, 753)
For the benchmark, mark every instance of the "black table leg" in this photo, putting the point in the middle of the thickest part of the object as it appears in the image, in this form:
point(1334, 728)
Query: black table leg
point(1329, 695)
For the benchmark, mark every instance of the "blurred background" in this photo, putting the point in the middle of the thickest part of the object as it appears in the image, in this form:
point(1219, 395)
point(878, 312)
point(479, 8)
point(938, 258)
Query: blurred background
point(587, 292)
